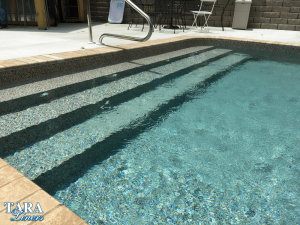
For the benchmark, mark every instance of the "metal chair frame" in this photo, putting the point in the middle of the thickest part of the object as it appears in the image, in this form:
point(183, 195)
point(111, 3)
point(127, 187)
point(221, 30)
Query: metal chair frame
point(205, 14)
point(190, 4)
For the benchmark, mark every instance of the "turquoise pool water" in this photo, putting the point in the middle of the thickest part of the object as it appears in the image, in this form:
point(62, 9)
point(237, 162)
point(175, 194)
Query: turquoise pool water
point(212, 137)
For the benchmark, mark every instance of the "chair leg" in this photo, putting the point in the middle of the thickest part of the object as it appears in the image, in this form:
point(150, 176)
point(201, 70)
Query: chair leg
point(154, 24)
point(205, 25)
point(175, 24)
point(154, 20)
point(183, 24)
point(195, 20)
point(130, 24)
point(143, 24)
point(159, 24)
point(222, 21)
point(163, 20)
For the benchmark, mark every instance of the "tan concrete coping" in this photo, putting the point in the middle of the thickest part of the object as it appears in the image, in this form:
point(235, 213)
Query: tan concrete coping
point(15, 187)
point(52, 58)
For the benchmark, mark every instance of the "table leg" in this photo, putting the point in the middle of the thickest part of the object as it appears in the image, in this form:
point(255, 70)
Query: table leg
point(170, 26)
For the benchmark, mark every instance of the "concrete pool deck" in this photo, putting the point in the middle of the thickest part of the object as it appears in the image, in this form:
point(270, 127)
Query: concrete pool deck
point(28, 48)
point(23, 42)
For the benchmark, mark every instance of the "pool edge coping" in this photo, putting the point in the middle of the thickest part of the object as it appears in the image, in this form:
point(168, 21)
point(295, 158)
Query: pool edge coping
point(42, 60)
point(25, 190)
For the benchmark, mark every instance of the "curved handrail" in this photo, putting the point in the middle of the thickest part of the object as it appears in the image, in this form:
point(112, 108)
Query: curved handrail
point(129, 37)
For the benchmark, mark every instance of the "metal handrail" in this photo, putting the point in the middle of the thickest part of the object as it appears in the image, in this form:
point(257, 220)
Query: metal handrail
point(89, 22)
point(129, 37)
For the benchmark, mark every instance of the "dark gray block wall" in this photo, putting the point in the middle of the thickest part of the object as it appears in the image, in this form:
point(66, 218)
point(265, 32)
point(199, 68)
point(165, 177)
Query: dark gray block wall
point(265, 14)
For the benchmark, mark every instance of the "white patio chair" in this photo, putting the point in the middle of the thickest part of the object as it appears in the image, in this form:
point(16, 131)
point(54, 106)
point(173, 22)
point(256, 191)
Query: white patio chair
point(204, 13)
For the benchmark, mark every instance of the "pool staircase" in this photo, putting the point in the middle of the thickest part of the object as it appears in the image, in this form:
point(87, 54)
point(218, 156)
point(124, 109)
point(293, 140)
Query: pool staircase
point(54, 130)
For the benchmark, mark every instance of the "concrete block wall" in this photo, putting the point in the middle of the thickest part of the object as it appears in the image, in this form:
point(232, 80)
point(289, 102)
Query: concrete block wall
point(99, 10)
point(264, 14)
point(275, 14)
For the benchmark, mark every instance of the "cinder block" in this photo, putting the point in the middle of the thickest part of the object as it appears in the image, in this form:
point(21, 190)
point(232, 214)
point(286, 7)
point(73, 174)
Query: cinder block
point(271, 14)
point(250, 20)
point(230, 7)
point(218, 24)
point(95, 13)
point(258, 2)
point(278, 20)
point(294, 21)
point(226, 13)
point(289, 15)
point(189, 22)
point(211, 23)
point(209, 8)
point(274, 2)
point(268, 26)
point(254, 25)
point(297, 27)
point(219, 9)
point(286, 27)
point(97, 18)
point(127, 11)
point(281, 9)
point(261, 20)
point(252, 9)
point(256, 14)
point(215, 18)
point(291, 3)
point(295, 10)
point(223, 2)
point(126, 20)
point(263, 8)
point(228, 18)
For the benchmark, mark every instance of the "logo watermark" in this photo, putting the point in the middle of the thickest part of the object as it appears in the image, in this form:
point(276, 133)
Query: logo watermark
point(21, 214)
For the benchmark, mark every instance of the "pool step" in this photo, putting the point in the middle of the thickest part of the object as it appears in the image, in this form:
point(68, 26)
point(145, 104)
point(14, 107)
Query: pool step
point(71, 78)
point(35, 115)
point(80, 138)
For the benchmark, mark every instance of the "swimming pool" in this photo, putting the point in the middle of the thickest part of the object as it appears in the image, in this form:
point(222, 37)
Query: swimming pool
point(201, 135)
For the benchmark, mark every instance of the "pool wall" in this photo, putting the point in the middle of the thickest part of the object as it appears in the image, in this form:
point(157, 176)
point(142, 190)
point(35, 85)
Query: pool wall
point(26, 68)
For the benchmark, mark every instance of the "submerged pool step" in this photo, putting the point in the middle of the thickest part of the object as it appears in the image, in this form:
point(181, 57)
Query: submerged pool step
point(47, 154)
point(66, 80)
point(21, 120)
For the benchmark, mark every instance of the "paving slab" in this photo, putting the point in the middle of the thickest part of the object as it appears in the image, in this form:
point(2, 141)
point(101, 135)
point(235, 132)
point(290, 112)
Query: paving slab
point(15, 188)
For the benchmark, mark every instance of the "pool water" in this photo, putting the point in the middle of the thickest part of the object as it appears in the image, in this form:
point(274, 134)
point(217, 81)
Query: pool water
point(211, 137)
